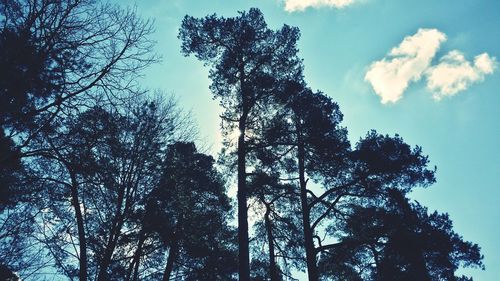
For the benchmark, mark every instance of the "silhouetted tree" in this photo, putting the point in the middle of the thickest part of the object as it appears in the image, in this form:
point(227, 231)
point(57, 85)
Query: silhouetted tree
point(189, 211)
point(304, 137)
point(54, 51)
point(106, 160)
point(247, 60)
point(298, 130)
point(308, 127)
point(377, 165)
point(393, 239)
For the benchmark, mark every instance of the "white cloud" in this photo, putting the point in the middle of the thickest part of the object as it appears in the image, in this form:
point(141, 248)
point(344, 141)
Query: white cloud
point(390, 76)
point(301, 5)
point(454, 73)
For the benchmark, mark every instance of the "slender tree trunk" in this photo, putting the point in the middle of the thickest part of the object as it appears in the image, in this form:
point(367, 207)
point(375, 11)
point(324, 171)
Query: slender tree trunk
point(243, 241)
point(106, 260)
point(172, 256)
point(312, 269)
point(83, 263)
point(112, 240)
point(273, 268)
point(133, 270)
point(82, 274)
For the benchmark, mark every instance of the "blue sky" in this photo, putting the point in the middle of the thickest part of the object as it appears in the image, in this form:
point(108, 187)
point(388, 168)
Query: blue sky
point(428, 70)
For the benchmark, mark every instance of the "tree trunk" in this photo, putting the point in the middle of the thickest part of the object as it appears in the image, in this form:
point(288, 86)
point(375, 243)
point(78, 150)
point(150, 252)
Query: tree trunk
point(243, 241)
point(133, 270)
point(82, 274)
point(243, 253)
point(112, 240)
point(273, 268)
point(312, 269)
point(172, 256)
point(106, 260)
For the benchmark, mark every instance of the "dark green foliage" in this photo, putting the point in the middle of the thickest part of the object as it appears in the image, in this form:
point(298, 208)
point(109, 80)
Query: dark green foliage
point(390, 161)
point(29, 77)
point(189, 211)
point(241, 45)
point(6, 274)
point(10, 167)
point(398, 240)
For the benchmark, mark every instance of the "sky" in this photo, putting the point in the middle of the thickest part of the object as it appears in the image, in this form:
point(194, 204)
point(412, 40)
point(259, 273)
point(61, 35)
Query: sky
point(428, 70)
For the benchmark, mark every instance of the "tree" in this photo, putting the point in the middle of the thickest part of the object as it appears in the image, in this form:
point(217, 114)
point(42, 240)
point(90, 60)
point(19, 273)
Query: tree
point(101, 157)
point(377, 165)
point(308, 128)
point(298, 131)
point(305, 137)
point(101, 182)
point(248, 60)
point(189, 211)
point(398, 240)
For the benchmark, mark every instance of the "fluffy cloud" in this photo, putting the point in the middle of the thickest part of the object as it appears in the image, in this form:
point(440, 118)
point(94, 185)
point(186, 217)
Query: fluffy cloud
point(390, 76)
point(300, 5)
point(454, 73)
